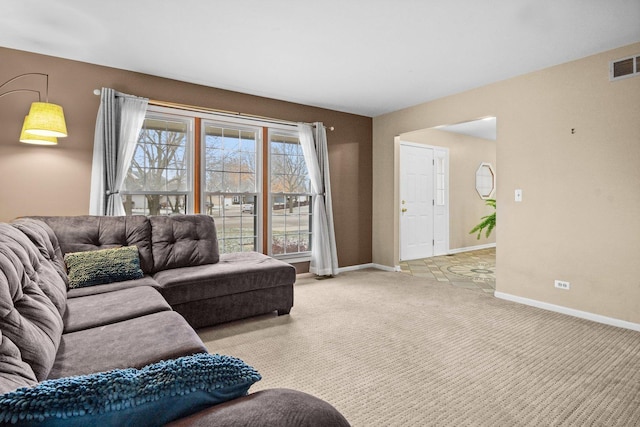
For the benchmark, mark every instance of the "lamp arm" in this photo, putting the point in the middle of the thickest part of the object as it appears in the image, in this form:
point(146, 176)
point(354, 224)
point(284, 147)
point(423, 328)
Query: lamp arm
point(27, 74)
point(21, 90)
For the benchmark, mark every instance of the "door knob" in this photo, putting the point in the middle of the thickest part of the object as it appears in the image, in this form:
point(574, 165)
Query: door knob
point(404, 210)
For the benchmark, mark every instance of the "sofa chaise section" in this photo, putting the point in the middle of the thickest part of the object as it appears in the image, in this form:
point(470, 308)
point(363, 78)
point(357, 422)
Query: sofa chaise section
point(208, 288)
point(240, 285)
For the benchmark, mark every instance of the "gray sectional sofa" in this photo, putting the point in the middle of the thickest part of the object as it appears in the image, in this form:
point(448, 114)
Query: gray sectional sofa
point(48, 331)
point(179, 257)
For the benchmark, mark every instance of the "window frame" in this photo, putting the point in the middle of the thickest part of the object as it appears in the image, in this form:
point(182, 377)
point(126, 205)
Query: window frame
point(159, 113)
point(297, 256)
point(196, 155)
point(259, 226)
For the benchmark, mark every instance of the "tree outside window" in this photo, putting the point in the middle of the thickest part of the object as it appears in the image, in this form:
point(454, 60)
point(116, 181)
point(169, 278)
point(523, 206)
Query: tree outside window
point(290, 195)
point(158, 179)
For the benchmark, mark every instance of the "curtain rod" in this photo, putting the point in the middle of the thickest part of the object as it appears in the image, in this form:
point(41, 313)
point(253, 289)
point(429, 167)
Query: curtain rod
point(98, 92)
point(230, 113)
point(187, 107)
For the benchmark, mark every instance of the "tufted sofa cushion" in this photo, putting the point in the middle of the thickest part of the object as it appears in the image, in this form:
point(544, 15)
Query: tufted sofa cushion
point(14, 372)
point(89, 233)
point(183, 241)
point(28, 318)
point(43, 237)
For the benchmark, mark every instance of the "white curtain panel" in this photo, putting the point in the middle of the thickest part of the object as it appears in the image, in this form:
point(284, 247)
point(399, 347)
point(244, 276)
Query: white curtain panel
point(324, 257)
point(120, 118)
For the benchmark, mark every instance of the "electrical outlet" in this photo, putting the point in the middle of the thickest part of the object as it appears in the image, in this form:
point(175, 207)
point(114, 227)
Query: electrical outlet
point(561, 284)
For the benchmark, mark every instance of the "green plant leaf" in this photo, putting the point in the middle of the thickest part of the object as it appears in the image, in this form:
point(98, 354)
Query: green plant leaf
point(487, 222)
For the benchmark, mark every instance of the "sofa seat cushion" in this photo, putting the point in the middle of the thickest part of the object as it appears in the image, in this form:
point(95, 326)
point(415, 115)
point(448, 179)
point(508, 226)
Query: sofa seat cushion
point(96, 310)
point(234, 273)
point(111, 287)
point(273, 407)
point(182, 241)
point(28, 317)
point(132, 343)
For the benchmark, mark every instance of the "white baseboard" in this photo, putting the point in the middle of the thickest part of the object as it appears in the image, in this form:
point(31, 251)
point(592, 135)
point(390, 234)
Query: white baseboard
point(387, 268)
point(354, 267)
point(472, 248)
point(570, 311)
point(370, 265)
point(521, 300)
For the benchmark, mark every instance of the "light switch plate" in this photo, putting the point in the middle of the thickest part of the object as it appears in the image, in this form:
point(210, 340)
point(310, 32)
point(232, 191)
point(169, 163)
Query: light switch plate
point(518, 195)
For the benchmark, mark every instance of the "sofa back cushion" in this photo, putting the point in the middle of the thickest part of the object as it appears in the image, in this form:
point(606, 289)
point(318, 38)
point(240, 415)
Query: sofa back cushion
point(51, 261)
point(90, 233)
point(28, 318)
point(14, 372)
point(183, 240)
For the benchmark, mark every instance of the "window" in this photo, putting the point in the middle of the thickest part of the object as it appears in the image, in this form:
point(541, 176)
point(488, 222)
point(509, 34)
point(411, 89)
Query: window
point(249, 175)
point(159, 179)
point(231, 184)
point(290, 200)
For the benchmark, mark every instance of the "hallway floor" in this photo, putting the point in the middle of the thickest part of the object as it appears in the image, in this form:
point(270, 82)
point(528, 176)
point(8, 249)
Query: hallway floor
point(472, 270)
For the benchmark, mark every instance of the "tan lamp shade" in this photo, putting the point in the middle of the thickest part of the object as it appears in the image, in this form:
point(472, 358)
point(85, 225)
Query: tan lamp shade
point(29, 138)
point(45, 119)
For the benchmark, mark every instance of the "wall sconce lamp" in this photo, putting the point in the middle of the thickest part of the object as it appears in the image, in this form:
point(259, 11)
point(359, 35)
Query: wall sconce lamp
point(45, 122)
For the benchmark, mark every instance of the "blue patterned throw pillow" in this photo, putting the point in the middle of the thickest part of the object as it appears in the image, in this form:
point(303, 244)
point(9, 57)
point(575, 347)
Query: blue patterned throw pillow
point(90, 268)
point(151, 396)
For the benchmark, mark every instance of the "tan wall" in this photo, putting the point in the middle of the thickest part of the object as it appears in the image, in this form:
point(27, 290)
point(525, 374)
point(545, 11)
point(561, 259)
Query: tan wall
point(579, 217)
point(476, 104)
point(465, 206)
point(36, 180)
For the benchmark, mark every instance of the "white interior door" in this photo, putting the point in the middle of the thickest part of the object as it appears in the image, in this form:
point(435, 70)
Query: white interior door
point(416, 201)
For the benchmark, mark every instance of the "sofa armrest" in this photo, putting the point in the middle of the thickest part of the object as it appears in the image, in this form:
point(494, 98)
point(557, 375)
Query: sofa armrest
point(273, 407)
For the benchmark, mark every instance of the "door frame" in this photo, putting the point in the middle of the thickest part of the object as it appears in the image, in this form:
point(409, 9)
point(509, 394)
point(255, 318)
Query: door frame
point(444, 249)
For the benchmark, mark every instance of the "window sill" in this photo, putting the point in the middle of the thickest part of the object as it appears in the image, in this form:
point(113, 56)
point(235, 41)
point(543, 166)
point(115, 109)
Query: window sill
point(293, 258)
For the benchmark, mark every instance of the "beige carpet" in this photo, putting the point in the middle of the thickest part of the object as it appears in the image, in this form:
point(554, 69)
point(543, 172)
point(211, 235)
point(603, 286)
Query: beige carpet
point(390, 349)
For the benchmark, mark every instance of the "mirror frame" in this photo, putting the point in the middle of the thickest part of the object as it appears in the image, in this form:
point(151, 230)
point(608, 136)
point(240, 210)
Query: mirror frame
point(485, 181)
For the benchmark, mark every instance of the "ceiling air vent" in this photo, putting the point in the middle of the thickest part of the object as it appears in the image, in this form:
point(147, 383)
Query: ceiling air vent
point(625, 67)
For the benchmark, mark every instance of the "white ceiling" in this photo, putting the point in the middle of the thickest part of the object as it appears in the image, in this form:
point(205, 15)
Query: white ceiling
point(363, 57)
point(482, 128)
